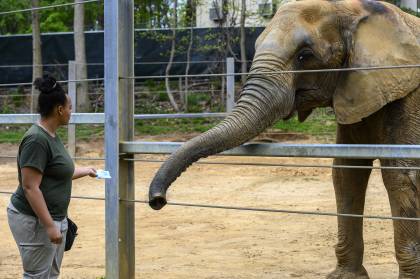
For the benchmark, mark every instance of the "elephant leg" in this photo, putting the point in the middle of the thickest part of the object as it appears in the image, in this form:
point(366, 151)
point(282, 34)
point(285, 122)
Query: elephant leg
point(403, 190)
point(350, 189)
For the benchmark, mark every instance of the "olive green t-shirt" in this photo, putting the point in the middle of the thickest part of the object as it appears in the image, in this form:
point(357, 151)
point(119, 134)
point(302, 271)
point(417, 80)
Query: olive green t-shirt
point(47, 154)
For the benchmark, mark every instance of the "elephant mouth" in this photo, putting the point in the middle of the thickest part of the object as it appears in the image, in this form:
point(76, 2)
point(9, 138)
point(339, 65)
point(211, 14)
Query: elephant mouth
point(304, 103)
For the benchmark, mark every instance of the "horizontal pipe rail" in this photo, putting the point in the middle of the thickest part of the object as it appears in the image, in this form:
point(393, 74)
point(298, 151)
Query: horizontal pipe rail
point(180, 115)
point(355, 151)
point(99, 118)
point(76, 118)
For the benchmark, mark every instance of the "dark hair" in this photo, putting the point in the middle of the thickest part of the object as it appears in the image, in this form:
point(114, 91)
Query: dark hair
point(51, 95)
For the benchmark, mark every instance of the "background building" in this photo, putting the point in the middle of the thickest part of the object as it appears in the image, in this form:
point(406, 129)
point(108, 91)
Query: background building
point(411, 4)
point(227, 13)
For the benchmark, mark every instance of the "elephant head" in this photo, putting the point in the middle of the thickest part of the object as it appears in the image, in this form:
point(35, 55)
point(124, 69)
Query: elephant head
point(310, 35)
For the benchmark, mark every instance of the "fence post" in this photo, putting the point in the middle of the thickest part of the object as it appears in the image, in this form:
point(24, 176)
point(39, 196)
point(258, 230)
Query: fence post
point(71, 134)
point(119, 126)
point(230, 84)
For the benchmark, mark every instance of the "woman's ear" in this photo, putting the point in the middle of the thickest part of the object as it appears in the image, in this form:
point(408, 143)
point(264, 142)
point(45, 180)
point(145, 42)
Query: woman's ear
point(383, 39)
point(60, 110)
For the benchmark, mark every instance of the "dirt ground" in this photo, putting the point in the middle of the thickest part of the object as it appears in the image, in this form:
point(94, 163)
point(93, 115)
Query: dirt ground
point(184, 242)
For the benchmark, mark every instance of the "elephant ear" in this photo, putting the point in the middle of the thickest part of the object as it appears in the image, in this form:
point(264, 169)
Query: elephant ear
point(383, 39)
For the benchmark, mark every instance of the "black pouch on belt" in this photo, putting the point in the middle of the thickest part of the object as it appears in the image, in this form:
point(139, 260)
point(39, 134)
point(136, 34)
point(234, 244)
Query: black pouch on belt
point(71, 234)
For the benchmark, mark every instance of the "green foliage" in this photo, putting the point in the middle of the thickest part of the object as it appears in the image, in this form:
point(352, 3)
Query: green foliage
point(151, 13)
point(14, 23)
point(6, 109)
point(52, 20)
point(18, 97)
point(196, 101)
point(55, 22)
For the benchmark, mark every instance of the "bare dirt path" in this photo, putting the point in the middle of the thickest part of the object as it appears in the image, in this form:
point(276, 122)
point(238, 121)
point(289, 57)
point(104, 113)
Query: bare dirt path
point(180, 242)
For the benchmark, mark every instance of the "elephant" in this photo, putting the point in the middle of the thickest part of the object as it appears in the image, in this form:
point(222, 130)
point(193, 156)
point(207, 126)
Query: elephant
point(370, 106)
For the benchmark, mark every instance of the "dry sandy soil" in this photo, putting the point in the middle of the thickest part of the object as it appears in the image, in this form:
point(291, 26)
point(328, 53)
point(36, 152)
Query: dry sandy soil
point(181, 242)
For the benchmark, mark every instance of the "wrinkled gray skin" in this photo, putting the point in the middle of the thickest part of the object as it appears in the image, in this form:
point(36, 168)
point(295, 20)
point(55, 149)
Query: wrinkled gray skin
point(379, 107)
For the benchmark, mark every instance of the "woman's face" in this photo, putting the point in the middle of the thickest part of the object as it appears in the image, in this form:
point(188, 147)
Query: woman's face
point(64, 112)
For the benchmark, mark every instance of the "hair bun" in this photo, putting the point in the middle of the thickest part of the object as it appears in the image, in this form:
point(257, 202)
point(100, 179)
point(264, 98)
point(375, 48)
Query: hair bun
point(46, 84)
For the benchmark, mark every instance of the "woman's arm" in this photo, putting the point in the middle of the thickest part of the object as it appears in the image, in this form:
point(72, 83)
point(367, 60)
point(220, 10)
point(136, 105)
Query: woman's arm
point(31, 179)
point(81, 172)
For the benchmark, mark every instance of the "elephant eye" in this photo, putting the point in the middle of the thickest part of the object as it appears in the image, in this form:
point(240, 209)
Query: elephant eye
point(304, 55)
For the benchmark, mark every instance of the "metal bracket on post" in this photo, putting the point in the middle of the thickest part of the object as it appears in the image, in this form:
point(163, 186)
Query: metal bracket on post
point(72, 91)
point(119, 126)
point(230, 84)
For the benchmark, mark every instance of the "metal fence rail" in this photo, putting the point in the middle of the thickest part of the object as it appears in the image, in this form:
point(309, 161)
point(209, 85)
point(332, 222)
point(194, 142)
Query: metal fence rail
point(367, 68)
point(355, 151)
point(255, 164)
point(254, 209)
point(284, 165)
point(99, 118)
point(136, 63)
point(76, 118)
point(60, 81)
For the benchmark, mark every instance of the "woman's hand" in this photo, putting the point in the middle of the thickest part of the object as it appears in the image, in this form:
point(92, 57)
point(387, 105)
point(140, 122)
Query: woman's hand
point(91, 172)
point(84, 171)
point(54, 234)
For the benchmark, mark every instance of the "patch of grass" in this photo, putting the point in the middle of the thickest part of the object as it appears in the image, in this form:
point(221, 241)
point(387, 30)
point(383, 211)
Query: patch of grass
point(12, 133)
point(83, 132)
point(197, 101)
point(320, 122)
point(167, 126)
point(310, 126)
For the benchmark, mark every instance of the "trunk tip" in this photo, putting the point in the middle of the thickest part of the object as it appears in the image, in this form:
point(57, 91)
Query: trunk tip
point(157, 201)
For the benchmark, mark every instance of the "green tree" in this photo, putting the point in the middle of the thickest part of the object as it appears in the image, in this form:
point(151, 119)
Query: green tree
point(52, 20)
point(152, 13)
point(14, 23)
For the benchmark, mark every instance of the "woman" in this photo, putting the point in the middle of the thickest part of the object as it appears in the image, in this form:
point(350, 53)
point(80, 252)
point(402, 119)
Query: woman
point(38, 209)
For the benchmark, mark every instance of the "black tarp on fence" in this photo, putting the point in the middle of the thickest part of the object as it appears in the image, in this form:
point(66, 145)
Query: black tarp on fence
point(151, 47)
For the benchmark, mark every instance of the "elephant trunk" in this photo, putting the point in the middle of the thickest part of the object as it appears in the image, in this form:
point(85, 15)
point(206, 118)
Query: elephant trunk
point(263, 101)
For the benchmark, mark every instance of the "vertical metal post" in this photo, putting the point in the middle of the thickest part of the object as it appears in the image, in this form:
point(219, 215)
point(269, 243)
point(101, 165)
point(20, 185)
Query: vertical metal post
point(230, 84)
point(126, 126)
point(119, 126)
point(71, 129)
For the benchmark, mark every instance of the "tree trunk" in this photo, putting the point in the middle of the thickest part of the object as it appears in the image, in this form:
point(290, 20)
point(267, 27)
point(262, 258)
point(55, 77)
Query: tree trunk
point(36, 54)
point(171, 58)
point(223, 88)
point(190, 14)
point(82, 97)
point(244, 67)
point(187, 70)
